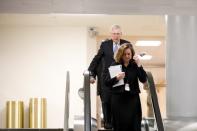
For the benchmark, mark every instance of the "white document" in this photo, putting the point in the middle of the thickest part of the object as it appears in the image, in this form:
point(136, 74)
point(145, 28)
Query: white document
point(113, 71)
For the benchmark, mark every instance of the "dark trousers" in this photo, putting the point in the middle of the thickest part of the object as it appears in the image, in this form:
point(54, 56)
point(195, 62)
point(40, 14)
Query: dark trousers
point(126, 112)
point(106, 106)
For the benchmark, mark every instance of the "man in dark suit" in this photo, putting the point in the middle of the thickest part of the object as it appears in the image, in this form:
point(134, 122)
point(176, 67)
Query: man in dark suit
point(101, 62)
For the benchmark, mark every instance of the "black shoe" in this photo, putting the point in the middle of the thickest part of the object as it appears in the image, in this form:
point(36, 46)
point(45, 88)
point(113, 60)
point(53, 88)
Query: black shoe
point(107, 126)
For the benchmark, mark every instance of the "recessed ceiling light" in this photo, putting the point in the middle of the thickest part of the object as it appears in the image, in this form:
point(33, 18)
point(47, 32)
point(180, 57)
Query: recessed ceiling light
point(148, 43)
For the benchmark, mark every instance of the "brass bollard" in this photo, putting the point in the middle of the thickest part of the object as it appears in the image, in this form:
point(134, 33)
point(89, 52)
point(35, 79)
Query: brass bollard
point(14, 114)
point(38, 113)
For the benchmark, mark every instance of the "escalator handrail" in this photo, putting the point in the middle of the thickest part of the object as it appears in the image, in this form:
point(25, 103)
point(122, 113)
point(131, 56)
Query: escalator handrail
point(155, 103)
point(87, 102)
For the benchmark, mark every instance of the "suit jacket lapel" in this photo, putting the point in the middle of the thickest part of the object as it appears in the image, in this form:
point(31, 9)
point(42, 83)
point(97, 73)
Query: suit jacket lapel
point(111, 47)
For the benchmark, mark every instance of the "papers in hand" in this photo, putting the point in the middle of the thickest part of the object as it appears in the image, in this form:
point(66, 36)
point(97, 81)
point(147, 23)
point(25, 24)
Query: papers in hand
point(113, 71)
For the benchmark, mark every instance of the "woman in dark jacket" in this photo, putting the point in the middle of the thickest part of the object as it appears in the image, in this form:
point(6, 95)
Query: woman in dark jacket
point(126, 106)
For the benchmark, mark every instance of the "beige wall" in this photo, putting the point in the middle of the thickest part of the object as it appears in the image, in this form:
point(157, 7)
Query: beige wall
point(33, 63)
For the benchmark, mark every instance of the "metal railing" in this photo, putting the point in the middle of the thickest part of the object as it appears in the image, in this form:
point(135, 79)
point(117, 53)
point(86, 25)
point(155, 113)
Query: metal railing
point(87, 102)
point(66, 110)
point(145, 124)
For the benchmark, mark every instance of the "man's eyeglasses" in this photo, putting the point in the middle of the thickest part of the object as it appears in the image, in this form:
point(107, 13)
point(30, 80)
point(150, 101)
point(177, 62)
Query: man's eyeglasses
point(116, 33)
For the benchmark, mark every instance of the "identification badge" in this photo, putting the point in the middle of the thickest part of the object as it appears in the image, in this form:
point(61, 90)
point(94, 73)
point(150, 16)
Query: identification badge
point(127, 87)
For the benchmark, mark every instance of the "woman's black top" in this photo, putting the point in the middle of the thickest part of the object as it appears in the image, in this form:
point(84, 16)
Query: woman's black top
point(132, 74)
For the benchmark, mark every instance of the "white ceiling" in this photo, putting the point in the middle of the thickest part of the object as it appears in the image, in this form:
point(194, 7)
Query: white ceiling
point(100, 6)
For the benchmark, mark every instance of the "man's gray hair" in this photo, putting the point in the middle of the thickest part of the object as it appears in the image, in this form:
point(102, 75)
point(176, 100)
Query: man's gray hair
point(115, 27)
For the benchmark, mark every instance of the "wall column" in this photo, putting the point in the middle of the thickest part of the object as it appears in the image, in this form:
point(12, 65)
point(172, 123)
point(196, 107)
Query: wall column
point(181, 67)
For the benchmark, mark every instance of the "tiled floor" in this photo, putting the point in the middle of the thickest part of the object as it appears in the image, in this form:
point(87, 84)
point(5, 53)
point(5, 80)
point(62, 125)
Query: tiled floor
point(180, 125)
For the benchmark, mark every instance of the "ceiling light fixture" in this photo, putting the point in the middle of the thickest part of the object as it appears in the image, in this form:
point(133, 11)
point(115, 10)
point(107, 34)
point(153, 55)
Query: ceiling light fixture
point(148, 43)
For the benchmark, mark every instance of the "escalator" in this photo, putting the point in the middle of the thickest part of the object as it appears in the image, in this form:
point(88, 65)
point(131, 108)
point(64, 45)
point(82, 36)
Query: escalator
point(87, 123)
point(155, 104)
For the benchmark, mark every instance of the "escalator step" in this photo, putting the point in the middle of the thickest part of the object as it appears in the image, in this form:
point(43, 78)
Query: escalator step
point(105, 130)
point(98, 129)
